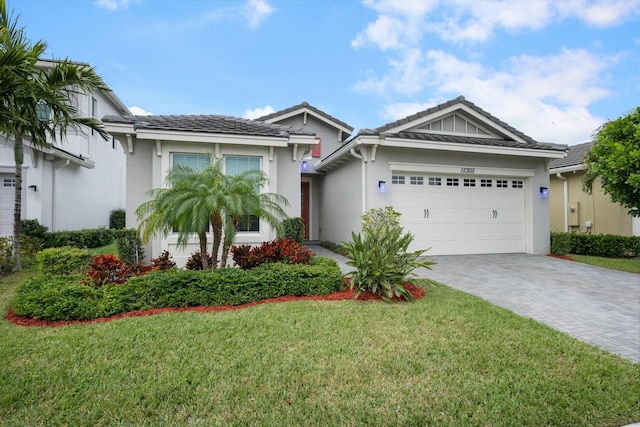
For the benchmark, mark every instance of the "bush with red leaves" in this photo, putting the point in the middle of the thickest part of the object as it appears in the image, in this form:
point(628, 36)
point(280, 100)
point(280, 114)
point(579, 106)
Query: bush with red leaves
point(195, 261)
point(105, 269)
point(280, 250)
point(163, 262)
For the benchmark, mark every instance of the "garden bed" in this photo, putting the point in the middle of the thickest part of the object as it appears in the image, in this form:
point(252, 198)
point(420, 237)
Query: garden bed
point(416, 292)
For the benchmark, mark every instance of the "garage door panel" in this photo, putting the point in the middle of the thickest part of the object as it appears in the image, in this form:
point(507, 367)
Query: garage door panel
point(462, 220)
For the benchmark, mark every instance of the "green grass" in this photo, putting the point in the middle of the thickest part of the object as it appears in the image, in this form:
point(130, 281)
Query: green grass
point(111, 248)
point(447, 359)
point(630, 265)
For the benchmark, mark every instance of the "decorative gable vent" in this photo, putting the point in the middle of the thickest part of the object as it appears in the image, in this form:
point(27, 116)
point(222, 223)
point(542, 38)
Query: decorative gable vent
point(455, 123)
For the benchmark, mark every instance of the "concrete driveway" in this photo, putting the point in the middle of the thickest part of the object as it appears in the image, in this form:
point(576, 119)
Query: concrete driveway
point(596, 305)
point(593, 304)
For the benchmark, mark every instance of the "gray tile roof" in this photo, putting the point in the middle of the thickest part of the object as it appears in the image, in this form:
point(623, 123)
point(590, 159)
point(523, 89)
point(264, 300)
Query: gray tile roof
point(575, 156)
point(207, 124)
point(310, 107)
point(462, 139)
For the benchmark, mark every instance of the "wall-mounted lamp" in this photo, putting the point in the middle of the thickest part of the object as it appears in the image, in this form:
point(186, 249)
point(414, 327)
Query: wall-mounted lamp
point(544, 192)
point(34, 188)
point(304, 165)
point(382, 186)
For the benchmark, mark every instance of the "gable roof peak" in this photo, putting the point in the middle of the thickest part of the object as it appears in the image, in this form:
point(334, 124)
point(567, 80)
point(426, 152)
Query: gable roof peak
point(451, 103)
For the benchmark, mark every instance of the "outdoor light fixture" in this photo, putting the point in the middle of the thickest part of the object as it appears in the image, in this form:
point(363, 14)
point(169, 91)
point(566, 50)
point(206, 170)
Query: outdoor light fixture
point(544, 192)
point(304, 165)
point(382, 186)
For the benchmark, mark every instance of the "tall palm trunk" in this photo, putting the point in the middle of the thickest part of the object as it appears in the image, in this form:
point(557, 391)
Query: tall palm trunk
point(18, 154)
point(216, 228)
point(229, 237)
point(203, 250)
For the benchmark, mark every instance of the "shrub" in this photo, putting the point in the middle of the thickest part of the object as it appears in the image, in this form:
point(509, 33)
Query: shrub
point(605, 245)
point(66, 298)
point(279, 250)
point(293, 228)
point(321, 260)
point(89, 238)
point(6, 255)
point(381, 257)
point(63, 261)
point(31, 227)
point(560, 243)
point(117, 219)
point(130, 246)
point(105, 269)
point(194, 262)
point(163, 262)
point(55, 298)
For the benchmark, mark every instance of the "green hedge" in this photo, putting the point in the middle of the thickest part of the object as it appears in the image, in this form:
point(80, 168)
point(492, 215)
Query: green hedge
point(65, 298)
point(89, 238)
point(605, 245)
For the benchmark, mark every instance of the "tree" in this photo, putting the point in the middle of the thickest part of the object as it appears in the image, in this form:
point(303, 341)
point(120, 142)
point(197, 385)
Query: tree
point(615, 158)
point(193, 200)
point(35, 102)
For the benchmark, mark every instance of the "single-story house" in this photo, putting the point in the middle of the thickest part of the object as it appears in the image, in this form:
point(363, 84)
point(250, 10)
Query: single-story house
point(154, 144)
point(72, 185)
point(573, 210)
point(464, 181)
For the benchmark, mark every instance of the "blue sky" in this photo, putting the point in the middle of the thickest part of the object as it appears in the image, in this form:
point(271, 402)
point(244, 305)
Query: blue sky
point(555, 70)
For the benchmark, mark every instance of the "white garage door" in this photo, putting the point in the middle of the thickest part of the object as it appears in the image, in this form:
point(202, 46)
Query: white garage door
point(461, 214)
point(7, 188)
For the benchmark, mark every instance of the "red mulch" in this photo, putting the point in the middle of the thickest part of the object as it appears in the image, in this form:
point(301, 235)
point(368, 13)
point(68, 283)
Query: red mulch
point(416, 291)
point(561, 257)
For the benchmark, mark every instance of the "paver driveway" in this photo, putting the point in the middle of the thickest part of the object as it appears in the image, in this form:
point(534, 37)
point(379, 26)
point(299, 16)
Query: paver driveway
point(596, 305)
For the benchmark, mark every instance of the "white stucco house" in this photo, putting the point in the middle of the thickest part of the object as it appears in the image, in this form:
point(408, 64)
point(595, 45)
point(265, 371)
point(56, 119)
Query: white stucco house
point(464, 181)
point(154, 144)
point(73, 184)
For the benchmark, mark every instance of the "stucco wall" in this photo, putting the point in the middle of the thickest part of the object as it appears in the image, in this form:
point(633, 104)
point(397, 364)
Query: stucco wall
point(605, 216)
point(328, 135)
point(341, 206)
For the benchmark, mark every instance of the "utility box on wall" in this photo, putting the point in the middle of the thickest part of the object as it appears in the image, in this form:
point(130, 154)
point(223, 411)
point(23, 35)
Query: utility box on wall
point(574, 214)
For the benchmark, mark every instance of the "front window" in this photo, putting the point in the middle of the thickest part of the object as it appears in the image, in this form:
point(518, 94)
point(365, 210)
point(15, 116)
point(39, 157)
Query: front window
point(234, 165)
point(197, 162)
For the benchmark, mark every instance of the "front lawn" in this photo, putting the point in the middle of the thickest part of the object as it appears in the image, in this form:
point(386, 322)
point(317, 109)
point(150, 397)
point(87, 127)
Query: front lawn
point(630, 265)
point(447, 359)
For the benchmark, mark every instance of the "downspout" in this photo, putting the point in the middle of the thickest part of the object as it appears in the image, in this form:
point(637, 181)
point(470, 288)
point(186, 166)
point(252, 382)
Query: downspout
point(362, 156)
point(566, 202)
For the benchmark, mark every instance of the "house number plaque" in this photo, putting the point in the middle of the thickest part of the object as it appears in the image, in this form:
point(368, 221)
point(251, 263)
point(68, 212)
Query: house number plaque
point(468, 170)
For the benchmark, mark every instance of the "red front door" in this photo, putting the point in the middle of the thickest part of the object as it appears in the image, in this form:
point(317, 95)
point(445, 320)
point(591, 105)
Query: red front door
point(304, 203)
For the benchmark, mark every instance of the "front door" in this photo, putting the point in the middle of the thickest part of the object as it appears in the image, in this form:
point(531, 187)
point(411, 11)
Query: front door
point(304, 203)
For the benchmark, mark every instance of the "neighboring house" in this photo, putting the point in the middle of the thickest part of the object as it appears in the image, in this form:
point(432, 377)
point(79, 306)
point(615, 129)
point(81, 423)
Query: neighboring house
point(573, 210)
point(73, 184)
point(464, 181)
point(154, 144)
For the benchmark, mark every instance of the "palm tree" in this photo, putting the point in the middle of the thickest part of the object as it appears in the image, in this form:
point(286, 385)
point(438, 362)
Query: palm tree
point(35, 103)
point(192, 200)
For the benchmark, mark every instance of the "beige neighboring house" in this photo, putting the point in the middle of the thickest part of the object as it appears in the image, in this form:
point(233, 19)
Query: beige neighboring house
point(573, 210)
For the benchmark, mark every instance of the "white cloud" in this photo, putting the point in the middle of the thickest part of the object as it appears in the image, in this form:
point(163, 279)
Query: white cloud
point(601, 13)
point(545, 97)
point(258, 112)
point(137, 111)
point(400, 23)
point(256, 11)
point(114, 4)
